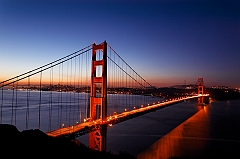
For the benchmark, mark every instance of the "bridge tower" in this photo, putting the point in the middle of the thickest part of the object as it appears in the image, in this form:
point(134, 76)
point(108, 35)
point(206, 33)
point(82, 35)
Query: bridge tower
point(200, 85)
point(200, 90)
point(98, 95)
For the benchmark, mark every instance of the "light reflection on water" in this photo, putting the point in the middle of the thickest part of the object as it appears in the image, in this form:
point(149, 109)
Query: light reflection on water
point(137, 134)
point(182, 130)
point(186, 139)
point(210, 133)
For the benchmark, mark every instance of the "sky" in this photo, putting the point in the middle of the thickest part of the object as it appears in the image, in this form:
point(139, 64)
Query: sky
point(167, 42)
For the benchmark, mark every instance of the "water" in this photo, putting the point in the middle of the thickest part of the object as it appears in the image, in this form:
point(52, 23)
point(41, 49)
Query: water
point(44, 110)
point(137, 134)
point(183, 130)
point(48, 110)
point(213, 132)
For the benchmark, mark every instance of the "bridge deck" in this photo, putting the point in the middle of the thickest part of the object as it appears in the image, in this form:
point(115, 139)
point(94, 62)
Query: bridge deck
point(66, 131)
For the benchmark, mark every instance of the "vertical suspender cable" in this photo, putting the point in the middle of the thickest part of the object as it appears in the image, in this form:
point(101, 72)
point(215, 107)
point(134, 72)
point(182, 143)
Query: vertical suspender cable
point(115, 84)
point(1, 106)
point(50, 100)
point(111, 80)
point(135, 85)
point(119, 86)
point(13, 89)
point(59, 90)
point(122, 83)
point(66, 103)
point(79, 90)
point(81, 85)
point(28, 97)
point(86, 97)
point(70, 95)
point(61, 108)
point(16, 103)
point(127, 96)
point(131, 88)
point(123, 90)
point(40, 100)
point(75, 109)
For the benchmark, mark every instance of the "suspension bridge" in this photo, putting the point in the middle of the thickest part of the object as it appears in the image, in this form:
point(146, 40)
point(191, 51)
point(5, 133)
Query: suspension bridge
point(83, 92)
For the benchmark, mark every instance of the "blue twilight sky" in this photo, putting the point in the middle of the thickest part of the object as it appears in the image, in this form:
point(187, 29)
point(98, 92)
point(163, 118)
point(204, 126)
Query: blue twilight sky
point(167, 42)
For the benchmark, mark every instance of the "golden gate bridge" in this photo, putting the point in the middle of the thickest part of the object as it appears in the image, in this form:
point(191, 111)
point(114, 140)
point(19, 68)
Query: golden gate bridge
point(83, 92)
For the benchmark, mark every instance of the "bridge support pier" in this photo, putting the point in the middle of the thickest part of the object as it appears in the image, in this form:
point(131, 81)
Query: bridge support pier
point(98, 139)
point(98, 95)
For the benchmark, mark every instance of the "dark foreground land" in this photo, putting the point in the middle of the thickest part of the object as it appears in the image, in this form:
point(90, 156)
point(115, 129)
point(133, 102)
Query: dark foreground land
point(37, 144)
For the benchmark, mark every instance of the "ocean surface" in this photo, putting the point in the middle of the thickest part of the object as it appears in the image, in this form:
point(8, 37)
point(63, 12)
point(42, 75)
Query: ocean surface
point(48, 110)
point(181, 130)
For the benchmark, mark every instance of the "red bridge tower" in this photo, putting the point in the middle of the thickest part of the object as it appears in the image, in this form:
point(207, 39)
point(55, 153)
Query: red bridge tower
point(200, 91)
point(98, 95)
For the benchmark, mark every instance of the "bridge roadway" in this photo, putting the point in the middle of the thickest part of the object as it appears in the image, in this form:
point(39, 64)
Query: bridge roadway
point(87, 126)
